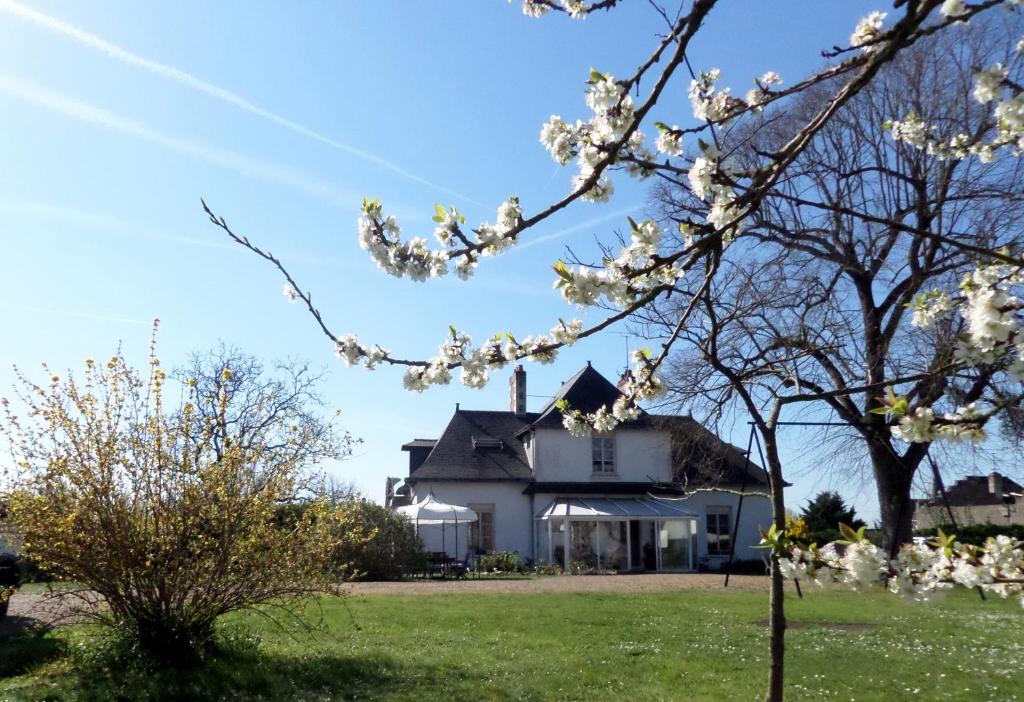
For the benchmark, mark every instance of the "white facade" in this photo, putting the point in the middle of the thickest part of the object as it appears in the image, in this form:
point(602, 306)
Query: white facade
point(511, 509)
point(640, 456)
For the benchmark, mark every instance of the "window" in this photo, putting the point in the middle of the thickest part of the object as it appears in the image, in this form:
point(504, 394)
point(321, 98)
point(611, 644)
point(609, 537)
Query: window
point(719, 531)
point(481, 532)
point(603, 452)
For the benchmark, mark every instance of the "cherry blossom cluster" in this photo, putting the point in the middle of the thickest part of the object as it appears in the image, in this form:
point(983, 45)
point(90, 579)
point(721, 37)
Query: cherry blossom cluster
point(577, 9)
point(919, 570)
point(987, 303)
point(476, 363)
point(712, 179)
point(636, 271)
point(638, 384)
point(380, 236)
point(457, 351)
point(992, 86)
point(592, 142)
point(921, 426)
point(867, 32)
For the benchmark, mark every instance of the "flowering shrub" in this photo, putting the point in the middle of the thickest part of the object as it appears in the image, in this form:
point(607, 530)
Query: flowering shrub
point(169, 521)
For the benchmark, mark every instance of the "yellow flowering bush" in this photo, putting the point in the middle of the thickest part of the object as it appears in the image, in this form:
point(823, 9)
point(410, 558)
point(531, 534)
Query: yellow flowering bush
point(156, 510)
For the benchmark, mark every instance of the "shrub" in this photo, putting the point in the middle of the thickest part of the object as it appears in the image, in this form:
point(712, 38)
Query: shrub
point(385, 546)
point(500, 562)
point(547, 569)
point(975, 534)
point(162, 510)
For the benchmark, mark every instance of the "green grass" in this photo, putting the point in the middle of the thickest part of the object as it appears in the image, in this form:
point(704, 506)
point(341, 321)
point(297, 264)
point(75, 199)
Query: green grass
point(666, 646)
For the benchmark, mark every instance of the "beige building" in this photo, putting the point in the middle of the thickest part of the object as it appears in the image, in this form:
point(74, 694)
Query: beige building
point(976, 499)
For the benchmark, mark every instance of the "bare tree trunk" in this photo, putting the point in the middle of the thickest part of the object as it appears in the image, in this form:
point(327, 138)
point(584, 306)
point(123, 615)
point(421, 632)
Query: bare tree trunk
point(776, 605)
point(896, 508)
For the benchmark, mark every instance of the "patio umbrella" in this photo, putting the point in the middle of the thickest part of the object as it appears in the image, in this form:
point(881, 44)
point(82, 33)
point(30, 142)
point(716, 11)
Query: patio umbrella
point(432, 511)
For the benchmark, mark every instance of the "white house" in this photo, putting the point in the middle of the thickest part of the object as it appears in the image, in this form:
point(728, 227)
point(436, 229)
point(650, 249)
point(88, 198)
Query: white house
point(657, 494)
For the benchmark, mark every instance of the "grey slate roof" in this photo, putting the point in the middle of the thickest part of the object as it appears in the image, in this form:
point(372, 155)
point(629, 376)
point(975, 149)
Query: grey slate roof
point(586, 391)
point(455, 458)
point(611, 487)
point(419, 443)
point(699, 458)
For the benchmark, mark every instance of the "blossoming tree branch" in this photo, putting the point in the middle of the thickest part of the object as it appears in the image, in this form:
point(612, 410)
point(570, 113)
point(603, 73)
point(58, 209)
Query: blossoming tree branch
point(626, 133)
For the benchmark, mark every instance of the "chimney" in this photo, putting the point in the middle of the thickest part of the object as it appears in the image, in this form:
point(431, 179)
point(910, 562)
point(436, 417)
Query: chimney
point(624, 380)
point(995, 484)
point(517, 391)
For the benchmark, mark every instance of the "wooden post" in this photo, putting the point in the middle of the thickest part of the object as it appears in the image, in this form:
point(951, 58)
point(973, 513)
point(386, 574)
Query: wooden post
point(629, 547)
point(551, 545)
point(565, 540)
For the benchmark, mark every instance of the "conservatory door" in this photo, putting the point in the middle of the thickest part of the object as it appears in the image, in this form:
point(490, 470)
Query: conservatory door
point(674, 545)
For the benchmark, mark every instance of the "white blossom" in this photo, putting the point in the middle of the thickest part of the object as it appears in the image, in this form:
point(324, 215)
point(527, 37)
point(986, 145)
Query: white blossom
point(916, 427)
point(669, 142)
point(867, 31)
point(534, 9)
point(931, 307)
point(953, 8)
point(988, 84)
point(290, 293)
point(577, 427)
point(348, 349)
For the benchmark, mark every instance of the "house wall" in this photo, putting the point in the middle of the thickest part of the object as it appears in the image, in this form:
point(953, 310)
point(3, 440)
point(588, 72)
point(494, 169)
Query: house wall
point(640, 456)
point(757, 512)
point(512, 521)
point(928, 517)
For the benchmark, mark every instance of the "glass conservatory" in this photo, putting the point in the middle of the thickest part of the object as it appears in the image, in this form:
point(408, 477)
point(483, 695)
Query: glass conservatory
point(621, 534)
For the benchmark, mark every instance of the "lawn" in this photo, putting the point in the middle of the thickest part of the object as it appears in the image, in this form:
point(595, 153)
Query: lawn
point(565, 646)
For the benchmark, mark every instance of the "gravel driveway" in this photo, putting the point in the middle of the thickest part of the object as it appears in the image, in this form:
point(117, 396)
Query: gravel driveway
point(45, 609)
point(661, 582)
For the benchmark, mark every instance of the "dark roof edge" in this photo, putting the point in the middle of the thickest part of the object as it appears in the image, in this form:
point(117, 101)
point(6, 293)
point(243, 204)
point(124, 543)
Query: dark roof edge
point(414, 479)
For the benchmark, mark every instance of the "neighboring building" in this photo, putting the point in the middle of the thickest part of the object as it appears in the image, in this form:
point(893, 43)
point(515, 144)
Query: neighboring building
point(976, 499)
point(658, 493)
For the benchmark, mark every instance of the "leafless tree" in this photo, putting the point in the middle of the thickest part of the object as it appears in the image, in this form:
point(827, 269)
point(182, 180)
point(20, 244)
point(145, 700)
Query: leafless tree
point(819, 304)
point(279, 409)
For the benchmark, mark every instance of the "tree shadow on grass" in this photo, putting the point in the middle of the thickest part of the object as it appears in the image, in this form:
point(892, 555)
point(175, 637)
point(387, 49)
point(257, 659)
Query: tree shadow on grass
point(258, 675)
point(24, 644)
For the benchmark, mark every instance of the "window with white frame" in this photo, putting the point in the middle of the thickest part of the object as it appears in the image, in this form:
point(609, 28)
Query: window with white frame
point(481, 532)
point(603, 454)
point(719, 530)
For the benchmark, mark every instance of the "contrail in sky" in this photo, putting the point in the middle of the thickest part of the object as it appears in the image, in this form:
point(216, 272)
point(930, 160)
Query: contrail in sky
point(40, 96)
point(71, 313)
point(188, 80)
point(574, 228)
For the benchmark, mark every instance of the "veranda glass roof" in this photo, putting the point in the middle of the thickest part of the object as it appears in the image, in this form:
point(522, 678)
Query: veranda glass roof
point(614, 508)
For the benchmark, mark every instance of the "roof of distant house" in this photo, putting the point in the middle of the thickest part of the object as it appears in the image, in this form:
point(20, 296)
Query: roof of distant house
point(974, 490)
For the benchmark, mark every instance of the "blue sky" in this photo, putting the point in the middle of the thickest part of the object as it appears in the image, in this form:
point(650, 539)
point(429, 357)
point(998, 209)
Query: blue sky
point(116, 117)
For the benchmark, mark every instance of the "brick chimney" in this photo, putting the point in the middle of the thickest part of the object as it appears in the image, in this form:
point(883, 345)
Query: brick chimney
point(517, 391)
point(995, 484)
